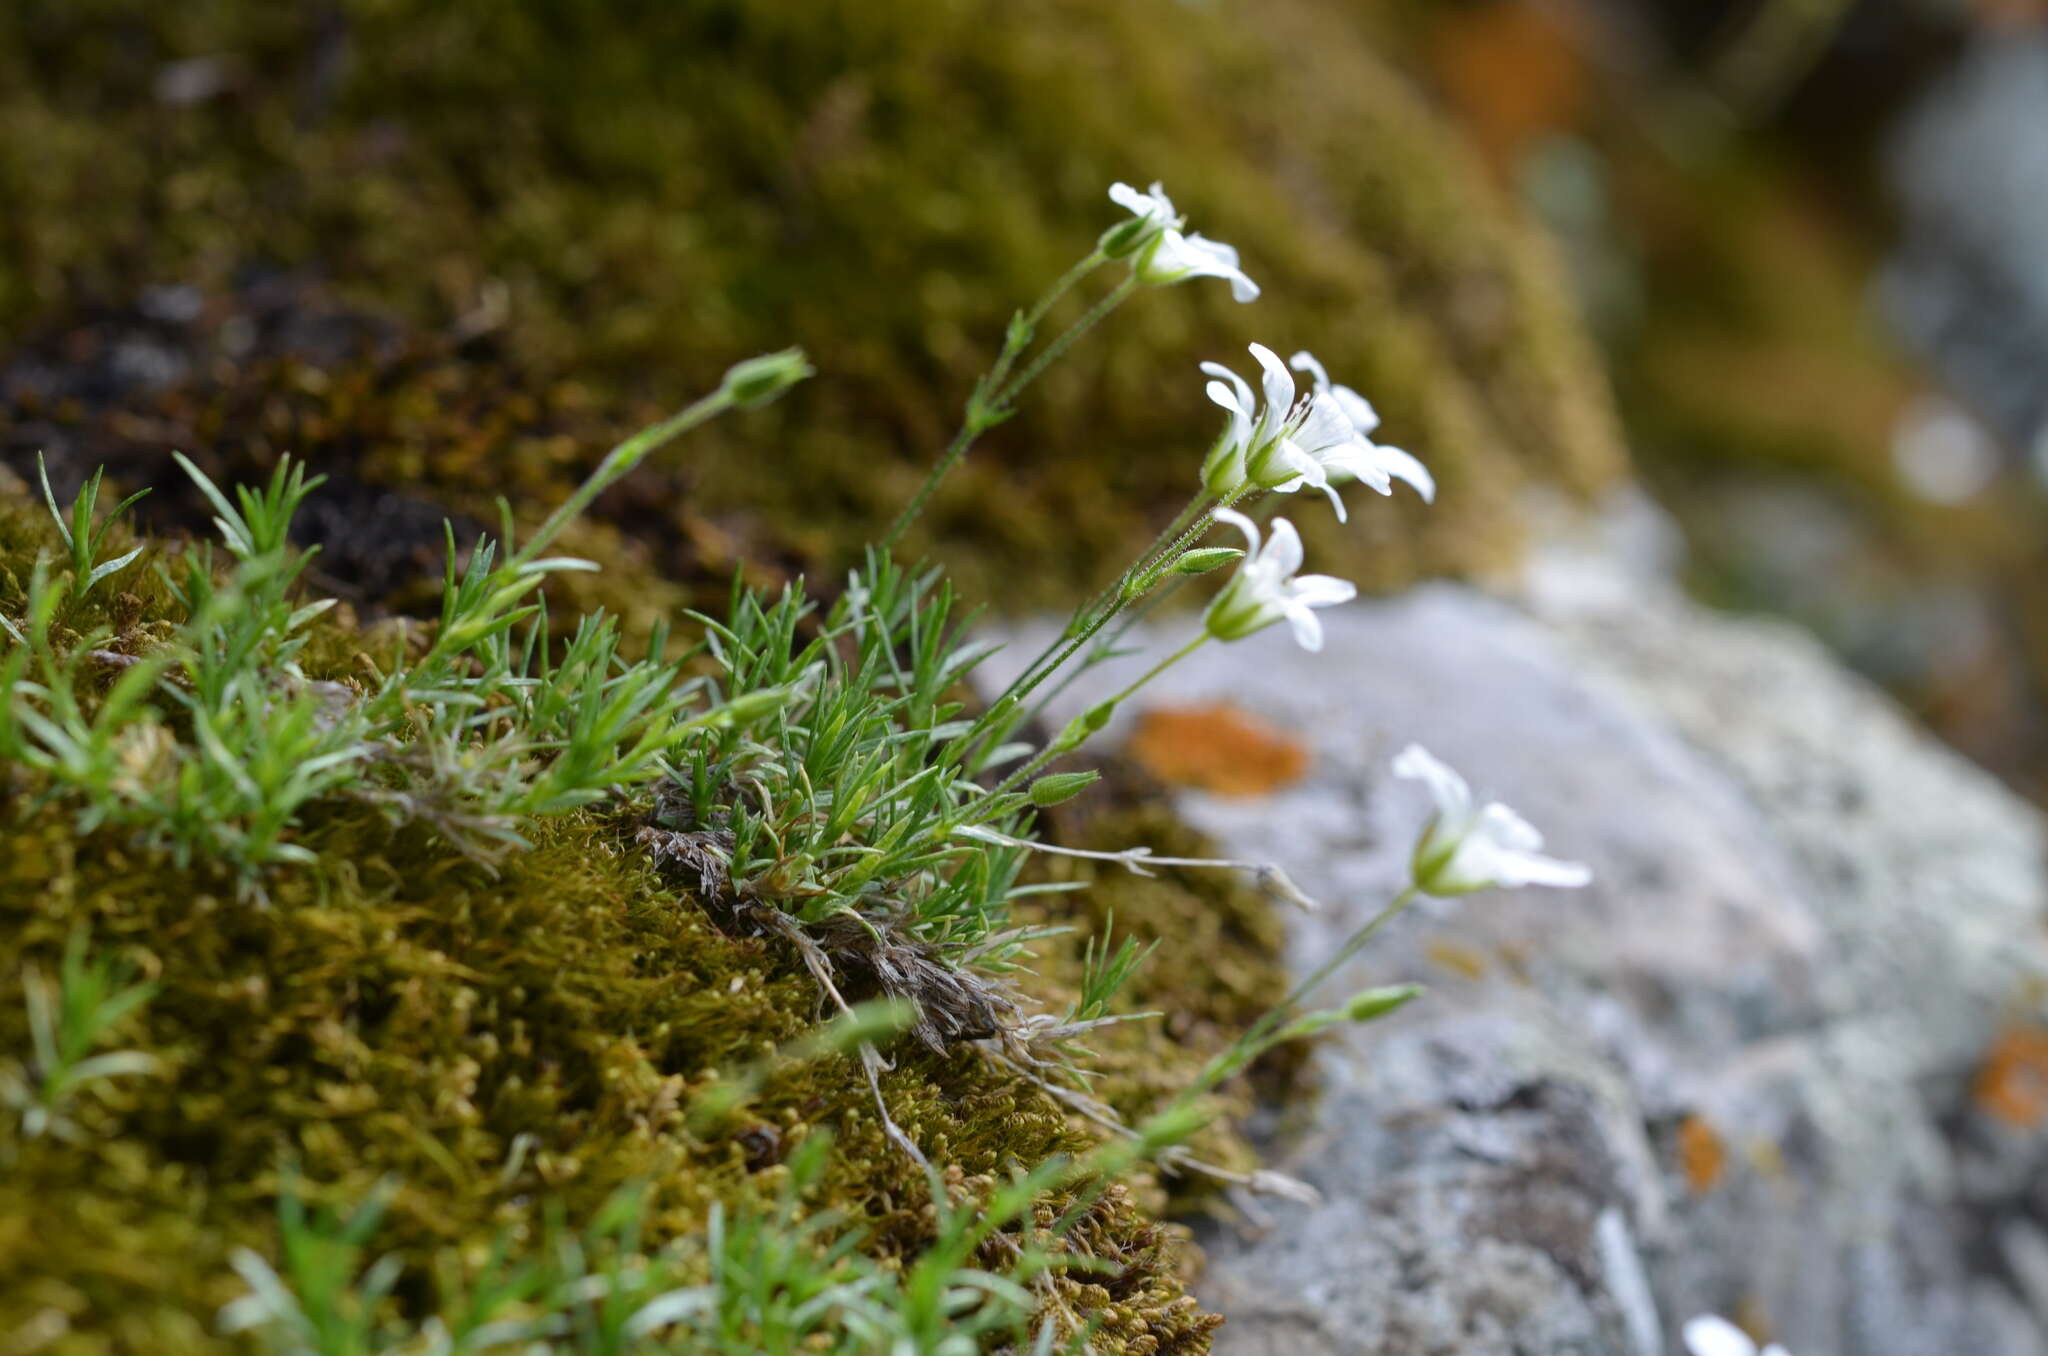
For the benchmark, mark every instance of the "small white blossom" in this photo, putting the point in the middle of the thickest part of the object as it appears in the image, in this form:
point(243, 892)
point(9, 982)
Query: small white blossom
point(1254, 445)
point(1708, 1335)
point(1283, 444)
point(1468, 846)
point(1153, 211)
point(1266, 589)
point(1377, 464)
point(1160, 253)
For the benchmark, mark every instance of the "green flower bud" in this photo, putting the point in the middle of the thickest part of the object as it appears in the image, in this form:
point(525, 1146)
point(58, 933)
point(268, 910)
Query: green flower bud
point(1203, 559)
point(757, 381)
point(1363, 1007)
point(1080, 727)
point(1061, 786)
point(1127, 237)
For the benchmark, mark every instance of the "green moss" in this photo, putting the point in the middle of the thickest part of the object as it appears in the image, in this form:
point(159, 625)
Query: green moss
point(653, 190)
point(658, 189)
point(499, 1044)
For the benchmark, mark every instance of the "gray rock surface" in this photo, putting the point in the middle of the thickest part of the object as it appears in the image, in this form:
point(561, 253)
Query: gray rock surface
point(1809, 922)
point(1968, 284)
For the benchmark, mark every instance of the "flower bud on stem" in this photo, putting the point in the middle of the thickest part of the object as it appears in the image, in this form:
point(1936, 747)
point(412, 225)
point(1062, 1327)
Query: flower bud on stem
point(995, 394)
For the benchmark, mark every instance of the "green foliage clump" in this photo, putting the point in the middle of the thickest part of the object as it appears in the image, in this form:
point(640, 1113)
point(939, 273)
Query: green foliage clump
point(486, 1043)
point(649, 188)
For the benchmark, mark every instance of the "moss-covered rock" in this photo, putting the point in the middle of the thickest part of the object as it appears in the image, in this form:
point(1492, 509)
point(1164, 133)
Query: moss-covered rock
point(506, 1044)
point(642, 192)
point(449, 252)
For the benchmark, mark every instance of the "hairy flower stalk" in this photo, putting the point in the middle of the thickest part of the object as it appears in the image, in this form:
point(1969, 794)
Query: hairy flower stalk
point(1266, 589)
point(1159, 254)
point(1281, 444)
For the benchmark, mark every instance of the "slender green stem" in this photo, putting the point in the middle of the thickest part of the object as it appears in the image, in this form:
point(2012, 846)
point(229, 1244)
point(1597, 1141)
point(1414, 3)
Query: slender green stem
point(1195, 532)
point(984, 410)
point(1103, 648)
point(1065, 648)
point(1053, 351)
point(1248, 1044)
point(1201, 639)
point(1047, 754)
point(617, 464)
point(1108, 597)
point(950, 458)
point(1352, 946)
point(1066, 284)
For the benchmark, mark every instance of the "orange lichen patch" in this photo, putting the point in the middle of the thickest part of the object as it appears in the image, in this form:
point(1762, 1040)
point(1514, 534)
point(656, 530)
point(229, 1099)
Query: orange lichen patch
point(1702, 1156)
point(1217, 747)
point(2012, 1086)
point(1467, 962)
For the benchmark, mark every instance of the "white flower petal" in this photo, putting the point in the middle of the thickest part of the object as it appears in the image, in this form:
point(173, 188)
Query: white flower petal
point(1529, 868)
point(1174, 257)
point(1305, 361)
point(1322, 590)
point(1336, 502)
point(1323, 426)
point(1709, 1335)
point(1307, 627)
point(1265, 588)
point(1355, 461)
point(1356, 408)
point(1244, 525)
point(1218, 260)
point(1238, 403)
point(1226, 397)
point(1306, 469)
point(1283, 549)
point(1277, 382)
point(1452, 795)
point(1154, 205)
point(1508, 829)
point(1240, 388)
point(1403, 466)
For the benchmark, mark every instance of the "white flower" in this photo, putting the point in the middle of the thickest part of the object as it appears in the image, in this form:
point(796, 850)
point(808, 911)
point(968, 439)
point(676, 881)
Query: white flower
point(1708, 1335)
point(1254, 445)
point(1469, 847)
point(1284, 443)
point(1174, 257)
point(1160, 254)
point(1377, 464)
point(1265, 588)
point(1153, 211)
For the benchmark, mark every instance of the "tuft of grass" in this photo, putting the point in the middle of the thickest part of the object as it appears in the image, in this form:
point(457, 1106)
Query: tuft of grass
point(816, 771)
point(82, 536)
point(773, 1280)
point(66, 1023)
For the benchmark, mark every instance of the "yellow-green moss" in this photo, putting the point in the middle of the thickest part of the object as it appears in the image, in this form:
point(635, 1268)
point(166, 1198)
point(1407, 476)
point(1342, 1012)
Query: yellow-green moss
point(660, 188)
point(500, 1043)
